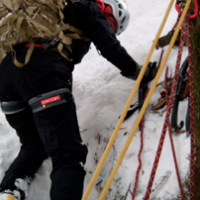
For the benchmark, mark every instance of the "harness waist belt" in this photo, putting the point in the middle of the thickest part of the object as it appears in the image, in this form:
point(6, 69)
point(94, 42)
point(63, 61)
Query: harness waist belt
point(46, 45)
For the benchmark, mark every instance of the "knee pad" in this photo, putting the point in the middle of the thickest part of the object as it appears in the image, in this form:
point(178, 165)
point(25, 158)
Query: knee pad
point(50, 99)
point(13, 107)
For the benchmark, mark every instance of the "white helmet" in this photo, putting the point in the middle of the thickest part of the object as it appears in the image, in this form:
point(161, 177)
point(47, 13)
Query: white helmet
point(121, 14)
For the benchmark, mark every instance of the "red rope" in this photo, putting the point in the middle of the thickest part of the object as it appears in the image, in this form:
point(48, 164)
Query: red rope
point(169, 127)
point(156, 160)
point(196, 9)
point(139, 158)
point(142, 143)
point(166, 124)
point(175, 162)
point(191, 109)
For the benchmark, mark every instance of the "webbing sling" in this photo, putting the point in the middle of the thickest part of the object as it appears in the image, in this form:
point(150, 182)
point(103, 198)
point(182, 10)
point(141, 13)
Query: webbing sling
point(27, 58)
point(165, 40)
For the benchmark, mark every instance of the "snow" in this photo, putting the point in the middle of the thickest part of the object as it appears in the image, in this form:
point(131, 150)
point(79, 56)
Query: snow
point(100, 94)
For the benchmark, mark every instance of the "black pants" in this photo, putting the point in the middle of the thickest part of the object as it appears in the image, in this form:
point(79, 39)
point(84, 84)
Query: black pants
point(53, 132)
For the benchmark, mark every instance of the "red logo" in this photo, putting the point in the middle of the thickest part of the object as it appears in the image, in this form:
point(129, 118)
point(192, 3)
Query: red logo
point(50, 100)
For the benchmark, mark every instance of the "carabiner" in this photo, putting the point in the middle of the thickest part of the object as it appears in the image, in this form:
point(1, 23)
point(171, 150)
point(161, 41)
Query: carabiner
point(196, 8)
point(178, 9)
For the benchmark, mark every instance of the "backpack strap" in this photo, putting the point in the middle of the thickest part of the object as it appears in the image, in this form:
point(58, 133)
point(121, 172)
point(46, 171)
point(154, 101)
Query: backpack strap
point(74, 33)
point(27, 58)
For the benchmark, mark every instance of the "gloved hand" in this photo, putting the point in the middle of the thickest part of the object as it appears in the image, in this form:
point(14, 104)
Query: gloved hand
point(149, 73)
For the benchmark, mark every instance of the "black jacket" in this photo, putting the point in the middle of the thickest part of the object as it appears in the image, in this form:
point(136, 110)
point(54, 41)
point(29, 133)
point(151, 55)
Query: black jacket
point(86, 16)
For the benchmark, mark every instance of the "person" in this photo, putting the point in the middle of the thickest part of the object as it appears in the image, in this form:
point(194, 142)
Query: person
point(38, 103)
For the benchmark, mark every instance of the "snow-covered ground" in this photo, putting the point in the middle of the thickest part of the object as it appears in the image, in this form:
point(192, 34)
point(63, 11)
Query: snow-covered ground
point(100, 93)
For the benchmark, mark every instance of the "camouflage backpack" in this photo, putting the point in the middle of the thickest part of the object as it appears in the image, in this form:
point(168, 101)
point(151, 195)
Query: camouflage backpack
point(30, 21)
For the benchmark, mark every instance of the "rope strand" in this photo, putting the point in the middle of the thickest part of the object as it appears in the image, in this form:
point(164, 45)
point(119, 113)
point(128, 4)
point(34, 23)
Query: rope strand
point(191, 110)
point(169, 103)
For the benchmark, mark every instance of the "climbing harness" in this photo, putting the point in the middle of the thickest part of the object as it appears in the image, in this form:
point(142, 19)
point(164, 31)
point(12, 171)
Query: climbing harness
point(13, 107)
point(50, 99)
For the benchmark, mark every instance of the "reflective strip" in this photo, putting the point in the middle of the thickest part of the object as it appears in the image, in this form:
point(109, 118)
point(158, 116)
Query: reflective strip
point(13, 107)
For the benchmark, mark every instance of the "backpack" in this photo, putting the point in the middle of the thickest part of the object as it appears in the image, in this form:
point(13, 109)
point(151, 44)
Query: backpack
point(30, 21)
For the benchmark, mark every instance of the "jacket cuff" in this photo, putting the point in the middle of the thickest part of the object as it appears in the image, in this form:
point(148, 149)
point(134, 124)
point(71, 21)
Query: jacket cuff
point(134, 75)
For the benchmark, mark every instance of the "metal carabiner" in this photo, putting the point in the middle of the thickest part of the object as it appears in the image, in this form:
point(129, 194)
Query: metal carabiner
point(178, 9)
point(196, 8)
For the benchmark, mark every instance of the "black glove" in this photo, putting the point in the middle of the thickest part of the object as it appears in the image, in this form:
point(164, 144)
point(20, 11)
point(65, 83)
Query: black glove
point(149, 73)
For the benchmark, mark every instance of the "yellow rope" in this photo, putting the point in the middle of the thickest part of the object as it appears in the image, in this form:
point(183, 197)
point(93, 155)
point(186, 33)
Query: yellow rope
point(9, 197)
point(120, 121)
point(119, 161)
